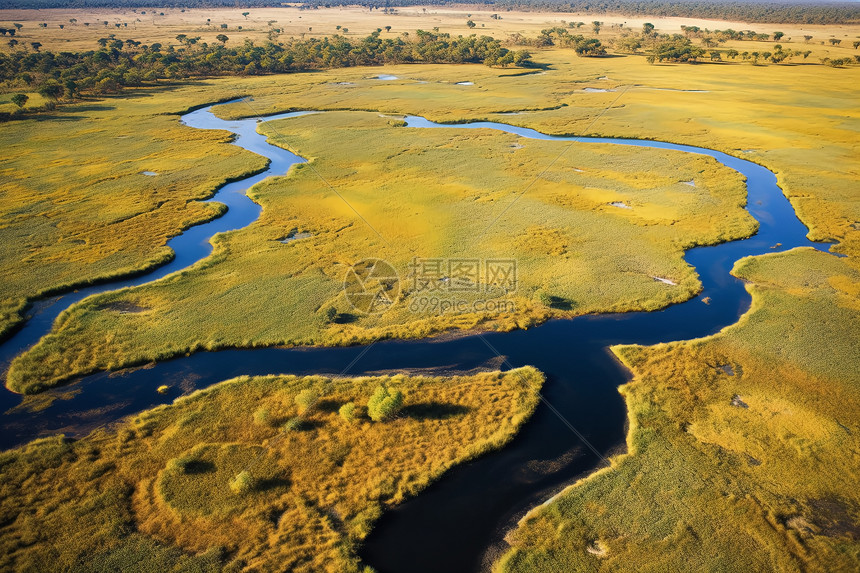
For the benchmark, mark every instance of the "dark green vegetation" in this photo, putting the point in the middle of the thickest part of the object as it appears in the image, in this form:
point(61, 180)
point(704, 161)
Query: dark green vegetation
point(119, 63)
point(240, 477)
point(562, 38)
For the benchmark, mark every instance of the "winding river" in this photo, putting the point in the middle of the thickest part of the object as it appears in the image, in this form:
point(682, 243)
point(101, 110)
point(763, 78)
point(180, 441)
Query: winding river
point(451, 525)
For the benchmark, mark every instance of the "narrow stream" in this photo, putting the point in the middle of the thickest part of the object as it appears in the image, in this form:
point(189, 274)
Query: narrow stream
point(449, 526)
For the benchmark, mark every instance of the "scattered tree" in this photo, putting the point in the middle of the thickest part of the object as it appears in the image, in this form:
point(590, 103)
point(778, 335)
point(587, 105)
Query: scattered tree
point(20, 100)
point(470, 24)
point(777, 36)
point(222, 38)
point(262, 417)
point(330, 314)
point(544, 298)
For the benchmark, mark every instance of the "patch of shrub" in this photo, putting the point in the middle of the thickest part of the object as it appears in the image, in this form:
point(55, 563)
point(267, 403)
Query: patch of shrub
point(384, 404)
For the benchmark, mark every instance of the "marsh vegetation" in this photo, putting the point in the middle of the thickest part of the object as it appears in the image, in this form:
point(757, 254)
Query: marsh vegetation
point(727, 433)
point(205, 484)
point(724, 434)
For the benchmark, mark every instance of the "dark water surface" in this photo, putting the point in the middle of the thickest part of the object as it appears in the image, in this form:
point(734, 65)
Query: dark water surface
point(449, 526)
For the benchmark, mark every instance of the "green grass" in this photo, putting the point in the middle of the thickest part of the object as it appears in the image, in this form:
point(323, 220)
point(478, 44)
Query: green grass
point(566, 237)
point(754, 471)
point(197, 485)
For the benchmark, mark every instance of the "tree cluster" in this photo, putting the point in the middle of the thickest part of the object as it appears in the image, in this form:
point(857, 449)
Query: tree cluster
point(675, 49)
point(384, 404)
point(561, 37)
point(117, 63)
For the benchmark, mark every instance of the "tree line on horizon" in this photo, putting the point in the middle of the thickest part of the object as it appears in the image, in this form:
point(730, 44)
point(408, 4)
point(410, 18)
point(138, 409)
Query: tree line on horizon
point(789, 12)
point(129, 63)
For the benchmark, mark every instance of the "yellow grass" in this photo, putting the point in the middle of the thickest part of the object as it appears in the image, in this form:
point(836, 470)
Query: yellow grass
point(776, 113)
point(161, 488)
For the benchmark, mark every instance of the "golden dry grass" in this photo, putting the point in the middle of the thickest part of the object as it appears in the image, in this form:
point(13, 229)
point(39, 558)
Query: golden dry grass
point(776, 115)
point(156, 490)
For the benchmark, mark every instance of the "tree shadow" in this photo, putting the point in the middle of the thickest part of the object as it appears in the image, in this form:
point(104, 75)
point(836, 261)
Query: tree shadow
point(560, 303)
point(194, 467)
point(272, 483)
point(433, 410)
point(345, 318)
point(329, 406)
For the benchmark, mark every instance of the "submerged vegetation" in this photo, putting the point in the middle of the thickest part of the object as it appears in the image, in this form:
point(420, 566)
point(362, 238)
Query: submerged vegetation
point(743, 447)
point(195, 485)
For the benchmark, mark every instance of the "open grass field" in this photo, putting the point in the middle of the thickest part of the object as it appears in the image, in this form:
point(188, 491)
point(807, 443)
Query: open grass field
point(160, 489)
point(743, 447)
point(568, 240)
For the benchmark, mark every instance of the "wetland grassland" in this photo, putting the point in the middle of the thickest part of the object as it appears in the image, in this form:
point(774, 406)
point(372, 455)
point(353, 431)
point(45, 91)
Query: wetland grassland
point(161, 488)
point(572, 246)
point(742, 449)
point(76, 206)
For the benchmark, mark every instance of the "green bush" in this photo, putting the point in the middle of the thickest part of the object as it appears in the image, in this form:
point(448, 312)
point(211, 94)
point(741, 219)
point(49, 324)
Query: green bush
point(384, 404)
point(292, 425)
point(242, 484)
point(306, 399)
point(262, 417)
point(544, 298)
point(330, 314)
point(347, 411)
